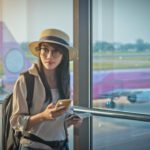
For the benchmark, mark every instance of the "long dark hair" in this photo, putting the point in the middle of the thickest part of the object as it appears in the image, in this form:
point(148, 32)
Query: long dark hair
point(62, 76)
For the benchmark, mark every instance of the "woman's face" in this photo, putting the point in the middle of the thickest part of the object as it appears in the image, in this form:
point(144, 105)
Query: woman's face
point(50, 55)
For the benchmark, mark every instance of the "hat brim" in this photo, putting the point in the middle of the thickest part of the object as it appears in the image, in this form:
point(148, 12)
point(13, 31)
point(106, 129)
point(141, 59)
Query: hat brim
point(33, 48)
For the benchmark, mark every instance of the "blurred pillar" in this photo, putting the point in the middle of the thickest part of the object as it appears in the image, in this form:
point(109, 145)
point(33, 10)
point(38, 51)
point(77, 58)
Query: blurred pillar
point(82, 95)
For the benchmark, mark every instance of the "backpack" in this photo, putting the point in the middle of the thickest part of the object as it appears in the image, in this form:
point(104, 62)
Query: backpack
point(11, 140)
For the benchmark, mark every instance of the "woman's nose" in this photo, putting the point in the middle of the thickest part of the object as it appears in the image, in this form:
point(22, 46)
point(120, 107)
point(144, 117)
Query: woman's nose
point(49, 54)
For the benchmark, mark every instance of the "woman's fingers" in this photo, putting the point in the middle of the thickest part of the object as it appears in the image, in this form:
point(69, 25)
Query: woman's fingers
point(51, 105)
point(75, 120)
point(58, 111)
point(60, 108)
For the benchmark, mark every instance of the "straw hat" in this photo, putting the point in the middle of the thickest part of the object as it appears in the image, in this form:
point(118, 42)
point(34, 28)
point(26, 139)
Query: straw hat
point(53, 36)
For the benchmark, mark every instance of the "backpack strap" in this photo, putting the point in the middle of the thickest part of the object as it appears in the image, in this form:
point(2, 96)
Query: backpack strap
point(29, 79)
point(52, 144)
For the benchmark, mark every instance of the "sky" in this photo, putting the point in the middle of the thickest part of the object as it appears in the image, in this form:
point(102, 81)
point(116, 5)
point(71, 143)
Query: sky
point(132, 20)
point(27, 18)
point(121, 20)
point(113, 20)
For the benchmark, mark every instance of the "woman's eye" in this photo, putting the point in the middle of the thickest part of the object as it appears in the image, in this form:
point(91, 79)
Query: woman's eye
point(57, 51)
point(44, 48)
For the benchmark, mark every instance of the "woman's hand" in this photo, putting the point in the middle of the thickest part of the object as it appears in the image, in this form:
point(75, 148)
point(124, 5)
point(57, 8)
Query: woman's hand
point(73, 120)
point(52, 112)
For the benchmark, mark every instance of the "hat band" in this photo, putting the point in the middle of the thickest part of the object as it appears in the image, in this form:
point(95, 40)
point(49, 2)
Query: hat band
point(54, 38)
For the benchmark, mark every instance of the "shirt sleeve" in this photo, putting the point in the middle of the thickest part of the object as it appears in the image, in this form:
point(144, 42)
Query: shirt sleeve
point(20, 113)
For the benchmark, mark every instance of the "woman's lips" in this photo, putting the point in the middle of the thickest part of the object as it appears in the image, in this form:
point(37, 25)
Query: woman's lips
point(49, 62)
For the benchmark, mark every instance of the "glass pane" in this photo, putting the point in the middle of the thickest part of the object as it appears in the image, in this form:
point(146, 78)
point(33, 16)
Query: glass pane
point(121, 54)
point(116, 134)
point(21, 22)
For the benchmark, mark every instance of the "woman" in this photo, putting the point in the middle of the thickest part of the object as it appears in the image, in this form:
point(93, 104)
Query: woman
point(51, 82)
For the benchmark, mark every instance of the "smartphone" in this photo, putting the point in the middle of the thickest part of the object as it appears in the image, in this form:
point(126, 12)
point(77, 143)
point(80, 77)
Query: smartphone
point(63, 102)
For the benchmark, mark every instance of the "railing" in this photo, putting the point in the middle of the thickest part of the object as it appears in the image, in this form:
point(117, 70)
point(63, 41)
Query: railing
point(113, 113)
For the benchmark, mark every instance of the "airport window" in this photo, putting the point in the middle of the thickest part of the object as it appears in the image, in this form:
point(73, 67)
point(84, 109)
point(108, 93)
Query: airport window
point(121, 55)
point(117, 120)
point(21, 22)
point(112, 40)
point(119, 134)
point(18, 29)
